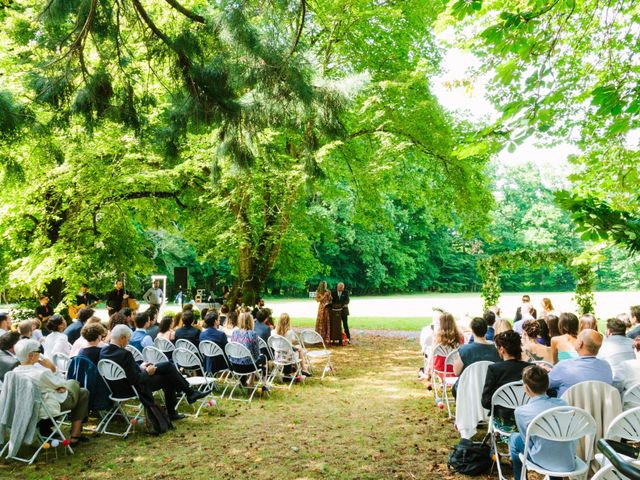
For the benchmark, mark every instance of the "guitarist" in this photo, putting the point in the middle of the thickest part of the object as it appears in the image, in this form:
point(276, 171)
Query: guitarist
point(116, 298)
point(44, 311)
point(85, 298)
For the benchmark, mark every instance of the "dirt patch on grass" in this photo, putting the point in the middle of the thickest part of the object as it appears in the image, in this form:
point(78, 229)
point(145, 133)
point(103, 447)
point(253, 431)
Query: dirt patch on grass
point(372, 421)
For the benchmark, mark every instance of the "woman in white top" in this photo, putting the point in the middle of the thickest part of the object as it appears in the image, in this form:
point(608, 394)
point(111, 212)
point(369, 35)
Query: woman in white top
point(231, 324)
point(56, 341)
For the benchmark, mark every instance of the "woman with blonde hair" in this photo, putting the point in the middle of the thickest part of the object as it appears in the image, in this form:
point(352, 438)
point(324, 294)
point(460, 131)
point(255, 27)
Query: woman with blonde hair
point(284, 330)
point(323, 320)
point(547, 307)
point(502, 326)
point(246, 336)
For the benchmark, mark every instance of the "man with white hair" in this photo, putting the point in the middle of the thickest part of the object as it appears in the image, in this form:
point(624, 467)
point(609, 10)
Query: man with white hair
point(58, 394)
point(147, 377)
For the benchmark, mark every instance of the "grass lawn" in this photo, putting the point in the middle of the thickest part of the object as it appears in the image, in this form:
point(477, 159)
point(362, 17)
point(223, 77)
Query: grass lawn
point(373, 323)
point(372, 421)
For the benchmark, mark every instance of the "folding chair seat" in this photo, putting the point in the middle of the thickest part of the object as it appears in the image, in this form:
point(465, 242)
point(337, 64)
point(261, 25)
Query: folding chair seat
point(510, 395)
point(17, 388)
point(61, 362)
point(631, 397)
point(187, 345)
point(188, 360)
point(309, 338)
point(214, 357)
point(85, 372)
point(560, 424)
point(164, 345)
point(237, 351)
point(137, 354)
point(283, 356)
point(112, 372)
point(154, 355)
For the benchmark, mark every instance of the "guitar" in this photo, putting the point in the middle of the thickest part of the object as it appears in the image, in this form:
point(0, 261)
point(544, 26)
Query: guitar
point(74, 309)
point(128, 302)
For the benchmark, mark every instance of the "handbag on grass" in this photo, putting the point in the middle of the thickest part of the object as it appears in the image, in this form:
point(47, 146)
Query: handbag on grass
point(156, 420)
point(470, 458)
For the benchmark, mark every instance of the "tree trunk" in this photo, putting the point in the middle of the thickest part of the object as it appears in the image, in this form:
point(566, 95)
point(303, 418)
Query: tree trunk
point(55, 291)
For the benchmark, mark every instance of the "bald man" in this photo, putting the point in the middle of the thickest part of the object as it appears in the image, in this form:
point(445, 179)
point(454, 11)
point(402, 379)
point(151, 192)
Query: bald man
point(584, 368)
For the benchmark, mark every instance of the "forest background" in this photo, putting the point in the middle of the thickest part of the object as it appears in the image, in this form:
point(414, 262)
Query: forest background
point(268, 146)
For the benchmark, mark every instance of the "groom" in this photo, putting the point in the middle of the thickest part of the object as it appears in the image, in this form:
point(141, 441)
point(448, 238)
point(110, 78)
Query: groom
point(341, 300)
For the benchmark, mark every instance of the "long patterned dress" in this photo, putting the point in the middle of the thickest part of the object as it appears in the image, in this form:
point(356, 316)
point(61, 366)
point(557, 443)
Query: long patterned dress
point(323, 321)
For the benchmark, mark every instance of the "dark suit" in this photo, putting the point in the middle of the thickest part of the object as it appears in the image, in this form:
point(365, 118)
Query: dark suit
point(188, 333)
point(92, 353)
point(216, 364)
point(342, 301)
point(499, 374)
point(166, 378)
point(7, 363)
point(73, 331)
point(115, 300)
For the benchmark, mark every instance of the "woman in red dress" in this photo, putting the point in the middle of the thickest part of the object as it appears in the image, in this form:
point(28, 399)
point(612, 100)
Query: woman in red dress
point(323, 322)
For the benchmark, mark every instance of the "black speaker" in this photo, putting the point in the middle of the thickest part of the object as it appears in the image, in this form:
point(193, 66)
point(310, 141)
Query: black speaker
point(181, 279)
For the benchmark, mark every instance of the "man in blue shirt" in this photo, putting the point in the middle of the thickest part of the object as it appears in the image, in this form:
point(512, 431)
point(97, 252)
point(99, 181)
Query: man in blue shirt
point(584, 368)
point(73, 331)
point(212, 334)
point(548, 454)
point(140, 338)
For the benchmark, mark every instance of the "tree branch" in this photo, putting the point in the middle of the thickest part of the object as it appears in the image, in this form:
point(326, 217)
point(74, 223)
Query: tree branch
point(303, 12)
point(186, 12)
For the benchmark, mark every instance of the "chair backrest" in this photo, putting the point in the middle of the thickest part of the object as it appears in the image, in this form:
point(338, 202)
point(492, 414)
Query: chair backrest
point(111, 371)
point(562, 424)
point(510, 395)
point(293, 337)
point(154, 355)
point(187, 345)
point(137, 355)
point(450, 357)
point(236, 350)
point(186, 359)
point(608, 473)
point(631, 397)
point(543, 363)
point(282, 349)
point(85, 372)
point(61, 361)
point(263, 344)
point(311, 337)
point(210, 349)
point(625, 426)
point(163, 345)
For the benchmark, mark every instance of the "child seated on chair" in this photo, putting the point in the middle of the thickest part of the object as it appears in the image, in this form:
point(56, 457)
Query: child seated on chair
point(548, 454)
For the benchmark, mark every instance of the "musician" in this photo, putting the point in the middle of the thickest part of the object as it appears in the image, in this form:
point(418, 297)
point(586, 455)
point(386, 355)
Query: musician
point(154, 296)
point(44, 311)
point(85, 297)
point(340, 298)
point(116, 298)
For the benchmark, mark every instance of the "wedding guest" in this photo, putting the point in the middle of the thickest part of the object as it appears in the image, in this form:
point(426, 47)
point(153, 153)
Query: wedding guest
point(81, 342)
point(526, 300)
point(565, 346)
point(634, 316)
point(553, 327)
point(165, 329)
point(5, 323)
point(8, 360)
point(56, 341)
point(616, 349)
point(73, 331)
point(246, 336)
point(93, 335)
point(501, 326)
point(188, 331)
point(533, 344)
point(449, 336)
point(588, 322)
point(231, 325)
point(284, 330)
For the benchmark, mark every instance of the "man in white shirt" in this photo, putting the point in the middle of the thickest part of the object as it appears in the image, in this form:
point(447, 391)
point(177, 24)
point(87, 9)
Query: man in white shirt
point(616, 349)
point(58, 394)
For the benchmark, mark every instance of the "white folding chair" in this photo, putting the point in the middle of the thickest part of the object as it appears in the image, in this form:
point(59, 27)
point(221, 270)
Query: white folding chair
point(137, 354)
point(560, 424)
point(311, 337)
point(625, 426)
point(14, 383)
point(283, 356)
point(544, 364)
point(510, 395)
point(265, 346)
point(112, 372)
point(237, 351)
point(610, 473)
point(61, 362)
point(188, 360)
point(631, 397)
point(469, 411)
point(187, 345)
point(154, 355)
point(164, 345)
point(212, 350)
point(443, 380)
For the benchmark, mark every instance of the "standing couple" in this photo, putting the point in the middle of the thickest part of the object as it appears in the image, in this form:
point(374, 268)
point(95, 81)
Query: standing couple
point(332, 303)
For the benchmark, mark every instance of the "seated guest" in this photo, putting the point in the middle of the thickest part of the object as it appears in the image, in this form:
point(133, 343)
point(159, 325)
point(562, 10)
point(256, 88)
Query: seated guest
point(246, 336)
point(526, 300)
point(501, 373)
point(543, 333)
point(56, 341)
point(165, 329)
point(81, 342)
point(129, 317)
point(140, 338)
point(533, 344)
point(231, 325)
point(93, 333)
point(634, 317)
point(284, 330)
point(58, 394)
point(36, 330)
point(526, 313)
point(224, 311)
point(8, 360)
point(188, 331)
point(625, 318)
point(616, 349)
point(588, 321)
point(490, 319)
point(262, 329)
point(212, 334)
point(549, 454)
point(629, 372)
point(553, 327)
point(565, 346)
point(501, 326)
point(25, 329)
point(448, 336)
point(153, 328)
point(116, 319)
point(147, 378)
point(584, 368)
point(73, 331)
point(479, 350)
point(5, 323)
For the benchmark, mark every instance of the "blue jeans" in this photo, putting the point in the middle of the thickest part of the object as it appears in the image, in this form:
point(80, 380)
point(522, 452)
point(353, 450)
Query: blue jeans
point(516, 447)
